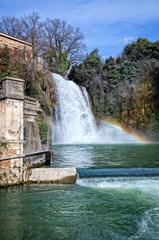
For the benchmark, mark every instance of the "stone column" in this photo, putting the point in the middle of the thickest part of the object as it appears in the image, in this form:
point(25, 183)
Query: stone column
point(11, 124)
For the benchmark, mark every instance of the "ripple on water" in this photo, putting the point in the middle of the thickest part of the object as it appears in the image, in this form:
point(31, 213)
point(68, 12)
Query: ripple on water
point(149, 226)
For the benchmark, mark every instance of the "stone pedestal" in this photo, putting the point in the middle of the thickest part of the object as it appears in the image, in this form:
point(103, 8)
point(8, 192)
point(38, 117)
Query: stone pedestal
point(11, 127)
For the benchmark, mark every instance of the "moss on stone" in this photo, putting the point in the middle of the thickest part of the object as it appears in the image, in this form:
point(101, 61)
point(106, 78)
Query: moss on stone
point(43, 128)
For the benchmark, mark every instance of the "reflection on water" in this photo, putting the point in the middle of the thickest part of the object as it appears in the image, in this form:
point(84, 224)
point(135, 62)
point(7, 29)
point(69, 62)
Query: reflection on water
point(10, 223)
point(106, 155)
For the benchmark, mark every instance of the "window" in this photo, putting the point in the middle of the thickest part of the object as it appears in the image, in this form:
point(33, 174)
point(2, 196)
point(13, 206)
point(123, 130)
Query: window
point(5, 46)
point(15, 49)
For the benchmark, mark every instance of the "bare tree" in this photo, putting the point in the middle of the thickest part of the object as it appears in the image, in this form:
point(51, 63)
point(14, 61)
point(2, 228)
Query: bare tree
point(1, 27)
point(63, 45)
point(10, 25)
point(32, 31)
point(60, 44)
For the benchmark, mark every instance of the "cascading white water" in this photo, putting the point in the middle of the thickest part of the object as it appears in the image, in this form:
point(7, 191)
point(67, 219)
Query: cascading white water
point(74, 121)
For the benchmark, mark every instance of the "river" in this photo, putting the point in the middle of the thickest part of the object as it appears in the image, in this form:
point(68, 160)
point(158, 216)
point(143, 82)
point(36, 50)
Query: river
point(121, 208)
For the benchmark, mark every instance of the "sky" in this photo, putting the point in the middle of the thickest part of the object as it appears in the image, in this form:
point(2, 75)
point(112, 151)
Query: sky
point(107, 24)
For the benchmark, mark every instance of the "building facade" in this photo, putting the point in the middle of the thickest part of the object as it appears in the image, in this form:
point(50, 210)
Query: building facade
point(17, 46)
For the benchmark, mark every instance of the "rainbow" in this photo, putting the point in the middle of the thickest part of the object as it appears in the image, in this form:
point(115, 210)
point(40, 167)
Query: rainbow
point(135, 137)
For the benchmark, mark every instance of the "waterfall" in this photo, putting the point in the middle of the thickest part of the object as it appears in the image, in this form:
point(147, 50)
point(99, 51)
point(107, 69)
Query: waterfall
point(74, 121)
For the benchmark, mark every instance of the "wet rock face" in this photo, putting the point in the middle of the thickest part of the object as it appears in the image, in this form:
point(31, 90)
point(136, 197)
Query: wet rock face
point(32, 141)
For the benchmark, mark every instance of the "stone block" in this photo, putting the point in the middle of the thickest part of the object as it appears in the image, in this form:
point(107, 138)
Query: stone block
point(52, 175)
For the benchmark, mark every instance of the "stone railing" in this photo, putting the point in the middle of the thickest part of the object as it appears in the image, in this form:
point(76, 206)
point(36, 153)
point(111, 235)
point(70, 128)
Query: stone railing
point(34, 158)
point(31, 107)
point(31, 102)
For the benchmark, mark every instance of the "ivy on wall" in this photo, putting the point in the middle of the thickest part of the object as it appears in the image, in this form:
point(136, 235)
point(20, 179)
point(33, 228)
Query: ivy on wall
point(43, 128)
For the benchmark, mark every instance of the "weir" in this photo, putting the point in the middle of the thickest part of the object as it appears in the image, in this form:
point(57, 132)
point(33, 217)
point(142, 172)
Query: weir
point(117, 172)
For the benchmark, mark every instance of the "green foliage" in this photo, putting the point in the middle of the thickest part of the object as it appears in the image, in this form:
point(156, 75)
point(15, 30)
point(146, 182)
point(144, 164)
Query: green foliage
point(129, 71)
point(4, 56)
point(93, 59)
point(4, 60)
point(2, 75)
point(13, 67)
point(44, 106)
point(113, 76)
point(63, 63)
point(90, 68)
point(35, 82)
point(43, 128)
point(48, 56)
point(109, 64)
point(56, 64)
point(16, 69)
point(141, 49)
point(125, 88)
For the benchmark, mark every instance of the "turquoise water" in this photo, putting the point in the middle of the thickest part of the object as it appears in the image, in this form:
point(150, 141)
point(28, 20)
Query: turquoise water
point(93, 208)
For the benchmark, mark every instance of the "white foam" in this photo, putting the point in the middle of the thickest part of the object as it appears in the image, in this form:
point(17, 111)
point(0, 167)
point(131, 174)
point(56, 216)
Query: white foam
point(149, 226)
point(150, 184)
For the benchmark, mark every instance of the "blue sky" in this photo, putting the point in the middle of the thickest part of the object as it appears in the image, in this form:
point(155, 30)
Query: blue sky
point(106, 24)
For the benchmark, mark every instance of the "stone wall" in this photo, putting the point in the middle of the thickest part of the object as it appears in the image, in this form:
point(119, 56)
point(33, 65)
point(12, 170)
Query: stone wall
point(11, 116)
point(10, 172)
point(51, 175)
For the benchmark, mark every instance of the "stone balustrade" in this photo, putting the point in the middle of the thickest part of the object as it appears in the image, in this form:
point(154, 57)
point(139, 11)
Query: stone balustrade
point(31, 101)
point(31, 107)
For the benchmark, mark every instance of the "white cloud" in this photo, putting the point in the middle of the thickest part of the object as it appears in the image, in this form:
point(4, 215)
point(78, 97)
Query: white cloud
point(128, 39)
point(108, 11)
point(106, 24)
